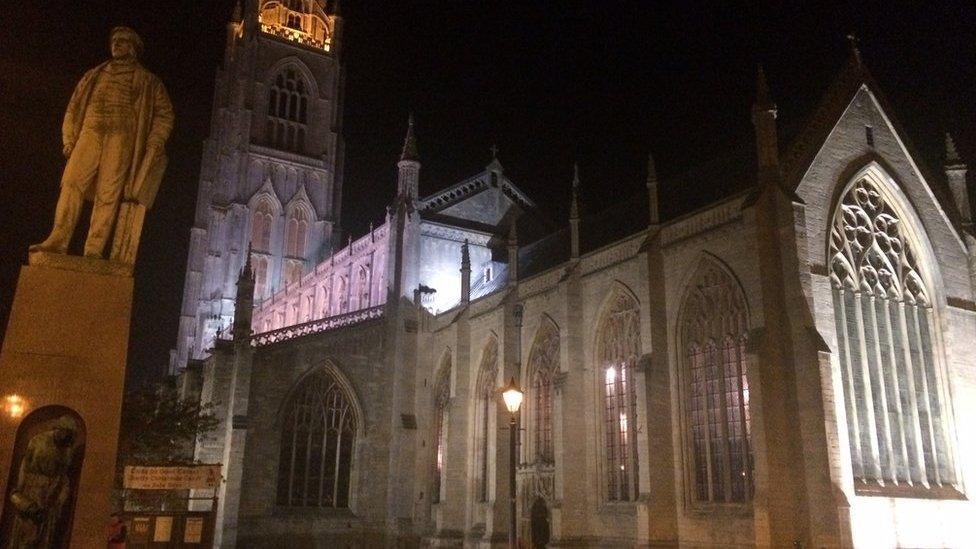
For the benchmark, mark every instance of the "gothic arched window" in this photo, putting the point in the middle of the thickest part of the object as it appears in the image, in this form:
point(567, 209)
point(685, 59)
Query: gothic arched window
point(293, 271)
point(297, 233)
point(485, 401)
point(288, 111)
point(543, 366)
point(897, 409)
point(713, 328)
point(363, 287)
point(618, 347)
point(318, 435)
point(342, 291)
point(442, 400)
point(260, 278)
point(326, 301)
point(262, 221)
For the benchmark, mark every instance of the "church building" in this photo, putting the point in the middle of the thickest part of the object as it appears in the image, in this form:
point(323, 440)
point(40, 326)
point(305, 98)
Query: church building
point(789, 366)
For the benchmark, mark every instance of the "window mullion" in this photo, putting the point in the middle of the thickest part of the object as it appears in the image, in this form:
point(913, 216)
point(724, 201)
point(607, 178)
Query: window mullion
point(868, 405)
point(925, 366)
point(912, 395)
point(885, 424)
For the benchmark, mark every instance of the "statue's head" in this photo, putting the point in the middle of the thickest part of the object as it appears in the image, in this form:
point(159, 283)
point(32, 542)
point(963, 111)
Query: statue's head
point(125, 43)
point(65, 430)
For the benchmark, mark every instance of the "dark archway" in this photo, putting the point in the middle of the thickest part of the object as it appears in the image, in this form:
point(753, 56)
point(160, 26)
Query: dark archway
point(540, 524)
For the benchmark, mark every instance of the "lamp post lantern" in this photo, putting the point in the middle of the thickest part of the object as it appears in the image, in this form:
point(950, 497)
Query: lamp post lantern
point(512, 395)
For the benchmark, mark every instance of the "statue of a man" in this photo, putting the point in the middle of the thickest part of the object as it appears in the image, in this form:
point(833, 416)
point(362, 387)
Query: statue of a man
point(114, 131)
point(40, 497)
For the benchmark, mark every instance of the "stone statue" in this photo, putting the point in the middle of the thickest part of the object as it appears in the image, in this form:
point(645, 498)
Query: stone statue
point(114, 134)
point(40, 499)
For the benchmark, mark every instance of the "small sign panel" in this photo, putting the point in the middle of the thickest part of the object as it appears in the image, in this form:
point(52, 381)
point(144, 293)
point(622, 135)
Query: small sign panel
point(164, 529)
point(193, 533)
point(172, 478)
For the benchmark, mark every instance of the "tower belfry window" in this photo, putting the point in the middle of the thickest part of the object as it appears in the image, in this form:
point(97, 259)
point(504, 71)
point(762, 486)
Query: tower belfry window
point(287, 111)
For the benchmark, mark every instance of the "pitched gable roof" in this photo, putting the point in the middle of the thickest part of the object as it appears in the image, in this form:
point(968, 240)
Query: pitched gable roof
point(854, 76)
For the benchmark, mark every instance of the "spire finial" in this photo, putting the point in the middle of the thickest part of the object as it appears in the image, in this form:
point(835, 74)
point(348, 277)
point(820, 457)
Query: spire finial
point(651, 171)
point(574, 205)
point(465, 256)
point(763, 99)
point(410, 143)
point(854, 44)
point(494, 151)
point(248, 270)
point(654, 215)
point(951, 155)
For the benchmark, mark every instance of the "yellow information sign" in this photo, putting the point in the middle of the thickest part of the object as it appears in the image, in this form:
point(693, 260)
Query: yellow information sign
point(172, 478)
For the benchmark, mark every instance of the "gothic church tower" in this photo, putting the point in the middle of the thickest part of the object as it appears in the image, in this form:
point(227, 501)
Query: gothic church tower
point(271, 174)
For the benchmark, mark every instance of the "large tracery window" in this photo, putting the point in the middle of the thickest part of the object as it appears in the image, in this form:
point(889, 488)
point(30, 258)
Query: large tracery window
point(618, 349)
point(288, 111)
point(543, 366)
point(442, 400)
point(486, 394)
point(897, 413)
point(713, 328)
point(317, 443)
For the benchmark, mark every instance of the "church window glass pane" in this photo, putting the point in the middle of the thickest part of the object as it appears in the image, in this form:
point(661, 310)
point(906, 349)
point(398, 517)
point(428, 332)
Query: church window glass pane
point(618, 349)
point(317, 443)
point(897, 413)
point(713, 328)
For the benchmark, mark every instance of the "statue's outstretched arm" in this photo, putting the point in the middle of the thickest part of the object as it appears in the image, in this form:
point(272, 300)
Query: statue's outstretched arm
point(24, 504)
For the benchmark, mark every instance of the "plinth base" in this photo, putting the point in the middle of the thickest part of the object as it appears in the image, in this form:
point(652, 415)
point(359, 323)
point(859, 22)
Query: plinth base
point(65, 346)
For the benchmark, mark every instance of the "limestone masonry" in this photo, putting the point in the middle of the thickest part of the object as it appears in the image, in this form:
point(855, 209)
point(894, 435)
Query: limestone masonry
point(792, 364)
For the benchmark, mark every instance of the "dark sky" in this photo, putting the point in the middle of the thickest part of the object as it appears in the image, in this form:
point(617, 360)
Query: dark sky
point(601, 82)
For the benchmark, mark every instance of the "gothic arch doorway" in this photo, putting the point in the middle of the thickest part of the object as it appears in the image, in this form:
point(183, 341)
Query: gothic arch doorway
point(539, 524)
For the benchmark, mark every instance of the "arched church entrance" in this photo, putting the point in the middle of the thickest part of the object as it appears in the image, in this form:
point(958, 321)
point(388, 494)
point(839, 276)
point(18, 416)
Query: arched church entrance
point(539, 524)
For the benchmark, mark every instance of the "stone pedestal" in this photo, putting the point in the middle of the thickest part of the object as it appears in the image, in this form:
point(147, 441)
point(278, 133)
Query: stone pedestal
point(66, 345)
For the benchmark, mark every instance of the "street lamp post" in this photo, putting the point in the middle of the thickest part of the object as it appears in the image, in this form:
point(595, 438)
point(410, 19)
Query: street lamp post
point(512, 395)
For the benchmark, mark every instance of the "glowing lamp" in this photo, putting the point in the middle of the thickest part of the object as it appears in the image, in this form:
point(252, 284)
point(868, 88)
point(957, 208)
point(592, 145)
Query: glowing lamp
point(512, 395)
point(14, 406)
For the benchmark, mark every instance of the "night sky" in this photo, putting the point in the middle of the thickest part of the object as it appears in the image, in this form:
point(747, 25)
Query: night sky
point(600, 82)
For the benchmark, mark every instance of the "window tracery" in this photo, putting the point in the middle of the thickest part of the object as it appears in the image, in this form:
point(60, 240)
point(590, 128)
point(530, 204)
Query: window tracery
point(317, 443)
point(486, 394)
point(543, 366)
point(714, 327)
point(288, 111)
point(363, 287)
point(897, 416)
point(297, 235)
point(262, 221)
point(618, 350)
point(442, 398)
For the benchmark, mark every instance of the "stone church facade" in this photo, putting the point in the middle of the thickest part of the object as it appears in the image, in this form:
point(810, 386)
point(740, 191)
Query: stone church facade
point(791, 365)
